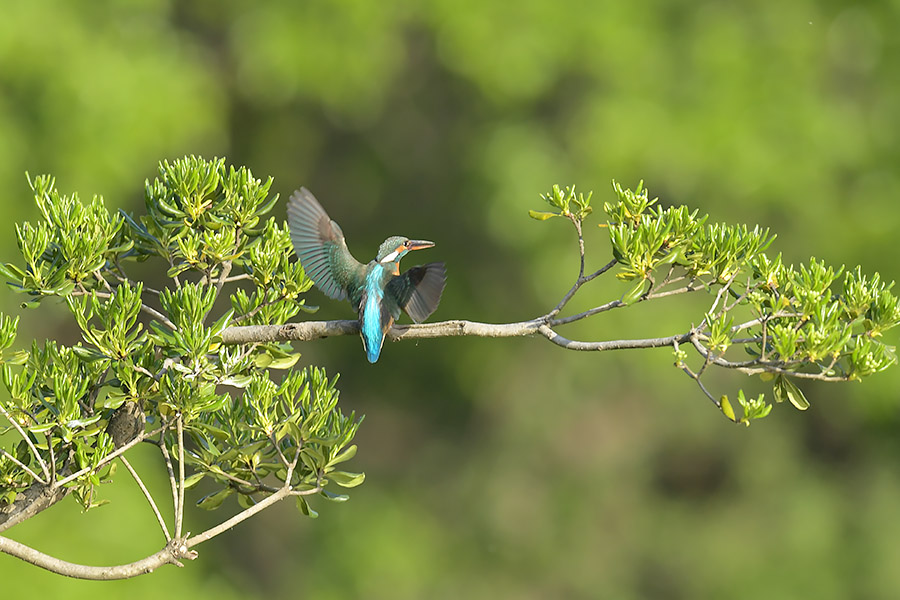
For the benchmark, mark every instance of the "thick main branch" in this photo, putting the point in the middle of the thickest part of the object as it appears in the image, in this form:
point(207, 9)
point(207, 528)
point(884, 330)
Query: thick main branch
point(312, 330)
point(168, 555)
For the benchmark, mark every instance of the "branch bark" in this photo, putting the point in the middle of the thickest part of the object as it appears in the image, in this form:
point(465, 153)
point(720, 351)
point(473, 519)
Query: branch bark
point(175, 550)
point(35, 499)
point(313, 330)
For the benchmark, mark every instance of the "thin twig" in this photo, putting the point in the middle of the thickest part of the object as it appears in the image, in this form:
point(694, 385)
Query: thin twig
point(616, 304)
point(171, 472)
point(259, 486)
point(123, 279)
point(162, 522)
point(34, 450)
point(263, 504)
point(603, 346)
point(144, 308)
point(223, 276)
point(601, 270)
point(696, 377)
point(757, 367)
point(252, 313)
point(577, 223)
point(281, 456)
point(715, 400)
point(588, 313)
point(179, 512)
point(22, 466)
point(577, 286)
point(715, 303)
point(109, 457)
point(240, 277)
point(291, 467)
point(49, 439)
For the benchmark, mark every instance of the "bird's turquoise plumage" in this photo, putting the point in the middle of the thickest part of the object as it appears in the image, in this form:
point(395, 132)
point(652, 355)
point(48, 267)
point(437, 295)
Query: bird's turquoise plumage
point(376, 290)
point(372, 315)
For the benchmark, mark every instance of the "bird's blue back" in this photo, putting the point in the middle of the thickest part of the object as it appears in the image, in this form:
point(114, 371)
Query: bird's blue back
point(374, 319)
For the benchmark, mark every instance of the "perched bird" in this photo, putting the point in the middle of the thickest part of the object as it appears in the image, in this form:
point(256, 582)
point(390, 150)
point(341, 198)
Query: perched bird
point(377, 291)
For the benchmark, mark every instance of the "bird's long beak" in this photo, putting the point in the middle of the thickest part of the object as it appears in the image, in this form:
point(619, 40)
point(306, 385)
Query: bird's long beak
point(419, 244)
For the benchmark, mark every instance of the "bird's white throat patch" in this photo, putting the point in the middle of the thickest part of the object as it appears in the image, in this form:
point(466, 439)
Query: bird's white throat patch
point(390, 257)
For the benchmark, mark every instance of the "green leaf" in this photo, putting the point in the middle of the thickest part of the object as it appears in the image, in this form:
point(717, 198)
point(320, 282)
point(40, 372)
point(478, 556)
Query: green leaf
point(11, 271)
point(87, 354)
point(786, 389)
point(263, 360)
point(345, 455)
point(238, 381)
point(41, 427)
point(335, 497)
point(305, 508)
point(635, 293)
point(347, 480)
point(83, 422)
point(214, 500)
point(794, 394)
point(193, 480)
point(727, 410)
point(284, 363)
point(541, 215)
point(20, 357)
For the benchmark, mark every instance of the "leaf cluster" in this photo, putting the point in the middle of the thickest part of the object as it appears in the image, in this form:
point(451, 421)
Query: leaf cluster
point(272, 427)
point(807, 322)
point(161, 350)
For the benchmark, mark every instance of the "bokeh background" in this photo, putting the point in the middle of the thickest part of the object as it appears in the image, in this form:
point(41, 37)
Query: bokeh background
point(502, 468)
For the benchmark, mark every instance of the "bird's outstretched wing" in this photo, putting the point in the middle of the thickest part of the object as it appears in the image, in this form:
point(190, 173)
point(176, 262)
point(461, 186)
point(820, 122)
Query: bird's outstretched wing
point(418, 290)
point(320, 246)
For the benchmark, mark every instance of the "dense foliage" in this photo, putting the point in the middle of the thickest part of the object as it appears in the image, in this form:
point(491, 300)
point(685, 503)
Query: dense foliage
point(796, 325)
point(509, 468)
point(212, 408)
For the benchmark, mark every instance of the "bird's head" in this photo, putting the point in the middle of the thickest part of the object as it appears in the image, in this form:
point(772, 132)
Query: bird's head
point(394, 248)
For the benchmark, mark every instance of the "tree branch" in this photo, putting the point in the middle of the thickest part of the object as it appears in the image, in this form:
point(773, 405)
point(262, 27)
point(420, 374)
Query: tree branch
point(613, 344)
point(148, 496)
point(168, 555)
point(111, 456)
point(144, 308)
point(22, 466)
point(25, 436)
point(170, 470)
point(313, 330)
point(179, 507)
point(42, 496)
point(245, 514)
point(33, 500)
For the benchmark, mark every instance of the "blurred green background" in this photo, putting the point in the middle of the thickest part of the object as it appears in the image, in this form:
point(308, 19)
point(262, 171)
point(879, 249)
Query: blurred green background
point(502, 468)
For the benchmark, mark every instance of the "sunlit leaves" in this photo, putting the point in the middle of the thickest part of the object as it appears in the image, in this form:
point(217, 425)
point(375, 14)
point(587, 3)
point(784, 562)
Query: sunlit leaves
point(82, 236)
point(161, 349)
point(296, 422)
point(110, 325)
point(566, 202)
point(814, 320)
point(785, 389)
point(754, 408)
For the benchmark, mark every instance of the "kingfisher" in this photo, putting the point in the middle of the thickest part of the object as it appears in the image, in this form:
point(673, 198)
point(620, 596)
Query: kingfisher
point(377, 290)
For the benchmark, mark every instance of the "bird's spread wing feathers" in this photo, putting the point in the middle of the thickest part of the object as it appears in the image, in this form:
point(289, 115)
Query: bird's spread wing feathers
point(418, 290)
point(320, 245)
